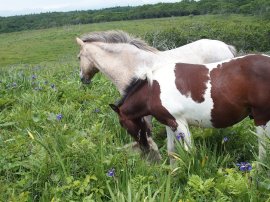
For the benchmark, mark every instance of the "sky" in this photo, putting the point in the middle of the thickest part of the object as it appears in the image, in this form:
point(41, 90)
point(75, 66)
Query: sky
point(21, 7)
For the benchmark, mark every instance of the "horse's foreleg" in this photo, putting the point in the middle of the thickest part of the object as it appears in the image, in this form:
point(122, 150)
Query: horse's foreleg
point(180, 133)
point(183, 134)
point(170, 144)
point(147, 145)
point(148, 121)
point(154, 154)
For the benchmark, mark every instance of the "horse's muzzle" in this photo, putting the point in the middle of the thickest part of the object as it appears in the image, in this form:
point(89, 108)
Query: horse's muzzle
point(85, 81)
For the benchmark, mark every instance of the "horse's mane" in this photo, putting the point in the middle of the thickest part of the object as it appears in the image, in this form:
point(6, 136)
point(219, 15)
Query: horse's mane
point(117, 36)
point(132, 87)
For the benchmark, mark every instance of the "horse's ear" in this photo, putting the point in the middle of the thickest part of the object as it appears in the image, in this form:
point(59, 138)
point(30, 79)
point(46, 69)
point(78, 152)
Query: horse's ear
point(79, 41)
point(115, 108)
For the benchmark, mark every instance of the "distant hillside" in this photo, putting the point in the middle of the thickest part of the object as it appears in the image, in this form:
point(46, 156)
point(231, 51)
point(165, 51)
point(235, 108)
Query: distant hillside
point(183, 8)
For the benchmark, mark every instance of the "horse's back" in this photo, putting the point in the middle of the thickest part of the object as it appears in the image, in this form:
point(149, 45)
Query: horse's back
point(202, 51)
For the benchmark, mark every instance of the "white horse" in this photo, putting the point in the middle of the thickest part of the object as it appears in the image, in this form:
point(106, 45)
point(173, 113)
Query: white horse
point(120, 56)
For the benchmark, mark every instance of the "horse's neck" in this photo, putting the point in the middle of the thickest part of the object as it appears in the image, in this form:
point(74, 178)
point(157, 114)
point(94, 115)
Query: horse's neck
point(119, 62)
point(136, 104)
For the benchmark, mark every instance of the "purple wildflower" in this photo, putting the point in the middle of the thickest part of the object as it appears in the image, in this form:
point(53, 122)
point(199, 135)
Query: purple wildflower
point(244, 166)
point(111, 172)
point(34, 76)
point(59, 117)
point(96, 110)
point(225, 139)
point(180, 136)
point(14, 84)
point(52, 86)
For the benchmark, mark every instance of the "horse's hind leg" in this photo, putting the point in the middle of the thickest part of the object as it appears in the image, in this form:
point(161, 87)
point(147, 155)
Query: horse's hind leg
point(264, 139)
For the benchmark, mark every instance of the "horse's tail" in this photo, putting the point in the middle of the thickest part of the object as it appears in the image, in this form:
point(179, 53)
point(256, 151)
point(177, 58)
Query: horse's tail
point(233, 50)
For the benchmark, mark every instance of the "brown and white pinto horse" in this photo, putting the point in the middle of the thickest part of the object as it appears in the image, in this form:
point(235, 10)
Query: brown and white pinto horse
point(213, 95)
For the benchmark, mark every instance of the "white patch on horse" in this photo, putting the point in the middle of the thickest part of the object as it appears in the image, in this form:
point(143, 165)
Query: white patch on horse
point(171, 98)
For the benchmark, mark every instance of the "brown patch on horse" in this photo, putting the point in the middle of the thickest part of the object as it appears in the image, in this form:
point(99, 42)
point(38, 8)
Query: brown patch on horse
point(240, 88)
point(191, 80)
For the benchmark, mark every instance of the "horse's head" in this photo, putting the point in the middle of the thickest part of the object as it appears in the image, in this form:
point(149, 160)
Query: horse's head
point(87, 66)
point(136, 127)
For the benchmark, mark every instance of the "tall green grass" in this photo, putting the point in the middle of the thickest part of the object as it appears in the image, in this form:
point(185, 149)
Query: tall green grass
point(47, 158)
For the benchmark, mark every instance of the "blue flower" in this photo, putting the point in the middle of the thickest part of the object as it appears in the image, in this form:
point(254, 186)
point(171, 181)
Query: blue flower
point(34, 77)
point(244, 166)
point(111, 172)
point(96, 110)
point(14, 84)
point(180, 136)
point(59, 117)
point(52, 86)
point(225, 139)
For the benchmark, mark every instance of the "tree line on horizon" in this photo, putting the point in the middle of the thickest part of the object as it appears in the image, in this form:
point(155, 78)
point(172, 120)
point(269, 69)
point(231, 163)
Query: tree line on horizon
point(182, 8)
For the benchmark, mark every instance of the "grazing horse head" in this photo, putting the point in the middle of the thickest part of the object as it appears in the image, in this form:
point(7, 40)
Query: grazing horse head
point(109, 52)
point(87, 66)
point(138, 128)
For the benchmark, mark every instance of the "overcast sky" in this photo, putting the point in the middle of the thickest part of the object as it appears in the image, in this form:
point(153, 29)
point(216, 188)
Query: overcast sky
point(21, 7)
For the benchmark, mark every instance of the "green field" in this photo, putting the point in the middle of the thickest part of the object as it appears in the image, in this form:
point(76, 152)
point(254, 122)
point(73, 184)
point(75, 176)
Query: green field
point(59, 138)
point(33, 47)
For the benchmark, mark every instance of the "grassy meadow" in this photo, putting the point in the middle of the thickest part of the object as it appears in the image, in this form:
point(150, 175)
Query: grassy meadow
point(60, 141)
